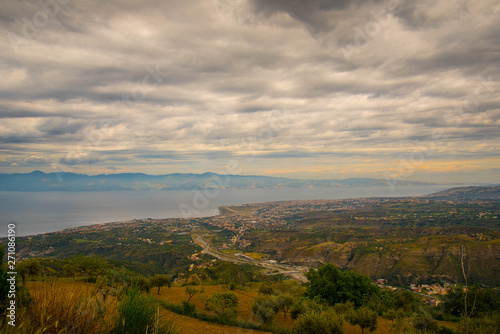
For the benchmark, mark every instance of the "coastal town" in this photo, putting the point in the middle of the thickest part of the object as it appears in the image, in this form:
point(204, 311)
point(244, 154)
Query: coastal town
point(256, 234)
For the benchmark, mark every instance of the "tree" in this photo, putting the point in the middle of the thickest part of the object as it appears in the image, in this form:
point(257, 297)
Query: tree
point(305, 305)
point(224, 304)
point(483, 301)
point(265, 308)
point(319, 323)
point(28, 267)
point(406, 301)
point(334, 286)
point(489, 324)
point(346, 308)
point(191, 291)
point(70, 269)
point(424, 323)
point(266, 289)
point(93, 265)
point(160, 280)
point(227, 277)
point(141, 283)
point(285, 302)
point(365, 318)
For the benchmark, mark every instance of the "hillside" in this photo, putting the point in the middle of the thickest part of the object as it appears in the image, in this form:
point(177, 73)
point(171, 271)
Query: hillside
point(407, 241)
point(467, 194)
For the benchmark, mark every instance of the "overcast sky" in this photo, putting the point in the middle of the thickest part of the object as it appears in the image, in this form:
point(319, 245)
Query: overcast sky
point(294, 88)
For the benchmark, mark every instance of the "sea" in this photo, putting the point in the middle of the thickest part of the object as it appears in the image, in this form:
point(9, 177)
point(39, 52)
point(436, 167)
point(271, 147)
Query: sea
point(42, 212)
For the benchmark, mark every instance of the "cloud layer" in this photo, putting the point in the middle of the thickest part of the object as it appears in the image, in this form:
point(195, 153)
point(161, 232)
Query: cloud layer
point(319, 88)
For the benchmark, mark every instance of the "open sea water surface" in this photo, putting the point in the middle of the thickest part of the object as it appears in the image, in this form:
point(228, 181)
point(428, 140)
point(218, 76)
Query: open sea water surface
point(41, 212)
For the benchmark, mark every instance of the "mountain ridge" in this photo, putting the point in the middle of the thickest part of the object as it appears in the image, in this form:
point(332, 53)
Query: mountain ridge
point(67, 181)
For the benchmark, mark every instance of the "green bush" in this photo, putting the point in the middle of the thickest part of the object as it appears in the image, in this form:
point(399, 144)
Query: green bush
point(334, 286)
point(138, 313)
point(266, 289)
point(141, 283)
point(424, 324)
point(489, 324)
point(305, 305)
point(265, 308)
point(188, 308)
point(319, 323)
point(365, 318)
point(224, 304)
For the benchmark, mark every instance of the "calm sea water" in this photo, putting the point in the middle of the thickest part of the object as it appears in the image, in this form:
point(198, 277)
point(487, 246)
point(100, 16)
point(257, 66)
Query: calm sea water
point(41, 212)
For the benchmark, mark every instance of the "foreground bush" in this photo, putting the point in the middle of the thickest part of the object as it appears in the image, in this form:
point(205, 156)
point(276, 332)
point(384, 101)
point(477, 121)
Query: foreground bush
point(139, 313)
point(489, 324)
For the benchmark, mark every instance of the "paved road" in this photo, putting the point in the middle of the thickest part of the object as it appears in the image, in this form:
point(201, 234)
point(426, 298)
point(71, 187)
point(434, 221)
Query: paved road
point(210, 250)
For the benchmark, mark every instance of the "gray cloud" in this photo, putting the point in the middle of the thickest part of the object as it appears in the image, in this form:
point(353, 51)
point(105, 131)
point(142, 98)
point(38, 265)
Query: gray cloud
point(193, 84)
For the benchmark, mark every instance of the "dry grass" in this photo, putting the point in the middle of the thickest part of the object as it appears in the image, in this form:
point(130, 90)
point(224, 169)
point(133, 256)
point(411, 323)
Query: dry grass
point(60, 307)
point(188, 325)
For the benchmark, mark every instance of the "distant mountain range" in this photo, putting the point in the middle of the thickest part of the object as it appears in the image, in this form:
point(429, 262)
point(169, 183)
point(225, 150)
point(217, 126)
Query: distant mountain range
point(40, 181)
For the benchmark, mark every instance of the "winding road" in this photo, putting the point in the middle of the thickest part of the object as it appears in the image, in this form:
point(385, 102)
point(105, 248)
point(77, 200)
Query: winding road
point(210, 250)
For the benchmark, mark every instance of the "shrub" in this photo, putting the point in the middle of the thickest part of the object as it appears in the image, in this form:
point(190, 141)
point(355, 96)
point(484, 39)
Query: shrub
point(191, 291)
point(365, 318)
point(266, 289)
point(188, 308)
point(138, 313)
point(344, 308)
point(319, 323)
point(265, 308)
point(224, 304)
point(141, 283)
point(306, 306)
point(489, 324)
point(285, 302)
point(424, 323)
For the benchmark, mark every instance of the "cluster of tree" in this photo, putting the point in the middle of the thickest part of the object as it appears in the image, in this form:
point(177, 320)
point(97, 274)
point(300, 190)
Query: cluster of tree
point(274, 298)
point(353, 298)
point(107, 277)
point(333, 297)
point(229, 274)
point(478, 309)
point(332, 286)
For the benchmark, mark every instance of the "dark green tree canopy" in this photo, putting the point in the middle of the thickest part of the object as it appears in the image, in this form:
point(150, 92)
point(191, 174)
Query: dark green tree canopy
point(334, 286)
